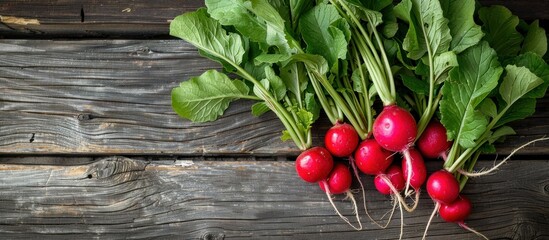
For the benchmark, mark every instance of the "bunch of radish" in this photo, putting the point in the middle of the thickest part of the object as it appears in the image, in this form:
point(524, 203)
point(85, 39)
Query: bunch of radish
point(397, 80)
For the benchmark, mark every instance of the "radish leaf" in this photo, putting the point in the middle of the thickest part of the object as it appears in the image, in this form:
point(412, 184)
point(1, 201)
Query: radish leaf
point(431, 26)
point(207, 35)
point(322, 37)
point(500, 24)
point(518, 82)
point(206, 97)
point(465, 33)
point(535, 40)
point(468, 85)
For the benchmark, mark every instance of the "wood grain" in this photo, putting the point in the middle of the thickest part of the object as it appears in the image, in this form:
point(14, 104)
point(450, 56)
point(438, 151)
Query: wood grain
point(140, 18)
point(113, 97)
point(121, 198)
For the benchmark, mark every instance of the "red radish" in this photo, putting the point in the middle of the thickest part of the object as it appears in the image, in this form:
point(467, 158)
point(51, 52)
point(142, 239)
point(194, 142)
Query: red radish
point(433, 142)
point(314, 164)
point(396, 178)
point(457, 211)
point(371, 158)
point(395, 128)
point(341, 139)
point(339, 181)
point(443, 187)
point(414, 168)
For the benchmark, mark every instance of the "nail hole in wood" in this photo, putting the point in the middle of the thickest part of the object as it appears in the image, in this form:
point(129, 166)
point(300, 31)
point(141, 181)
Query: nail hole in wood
point(82, 14)
point(90, 176)
point(32, 138)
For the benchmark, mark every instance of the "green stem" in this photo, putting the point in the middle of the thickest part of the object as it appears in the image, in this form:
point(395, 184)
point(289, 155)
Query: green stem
point(340, 103)
point(373, 62)
point(365, 100)
point(332, 116)
point(279, 110)
point(428, 113)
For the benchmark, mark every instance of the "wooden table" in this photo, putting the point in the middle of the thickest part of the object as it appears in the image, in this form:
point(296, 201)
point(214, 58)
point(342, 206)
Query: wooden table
point(90, 147)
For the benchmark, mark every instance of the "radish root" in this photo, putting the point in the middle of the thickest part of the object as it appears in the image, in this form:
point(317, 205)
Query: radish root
point(464, 226)
point(350, 195)
point(495, 167)
point(355, 171)
point(435, 210)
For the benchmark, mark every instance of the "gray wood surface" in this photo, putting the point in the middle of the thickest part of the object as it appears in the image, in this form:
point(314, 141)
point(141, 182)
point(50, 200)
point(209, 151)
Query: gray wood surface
point(121, 198)
point(140, 18)
point(76, 92)
point(103, 97)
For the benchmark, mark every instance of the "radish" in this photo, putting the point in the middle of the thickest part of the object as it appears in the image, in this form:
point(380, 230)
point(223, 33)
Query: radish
point(395, 178)
point(456, 211)
point(314, 164)
point(414, 168)
point(341, 139)
point(391, 183)
point(371, 158)
point(395, 128)
point(339, 180)
point(443, 187)
point(433, 142)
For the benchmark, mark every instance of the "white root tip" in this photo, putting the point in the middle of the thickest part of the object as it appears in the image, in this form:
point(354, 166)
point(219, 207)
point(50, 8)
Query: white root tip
point(355, 171)
point(464, 226)
point(328, 194)
point(435, 210)
point(495, 167)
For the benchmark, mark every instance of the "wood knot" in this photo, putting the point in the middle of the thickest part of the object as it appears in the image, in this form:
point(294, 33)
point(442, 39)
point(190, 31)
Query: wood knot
point(213, 236)
point(123, 169)
point(84, 117)
point(142, 51)
point(525, 230)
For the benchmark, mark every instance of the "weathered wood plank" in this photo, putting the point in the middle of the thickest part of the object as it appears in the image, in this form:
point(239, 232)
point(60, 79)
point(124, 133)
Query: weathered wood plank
point(123, 198)
point(113, 97)
point(140, 18)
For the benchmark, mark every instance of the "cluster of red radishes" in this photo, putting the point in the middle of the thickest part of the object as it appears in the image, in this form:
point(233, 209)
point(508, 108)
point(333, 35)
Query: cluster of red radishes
point(394, 132)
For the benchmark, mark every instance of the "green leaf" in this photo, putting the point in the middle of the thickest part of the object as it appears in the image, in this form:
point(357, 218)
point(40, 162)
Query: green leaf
point(535, 40)
point(430, 27)
point(417, 86)
point(316, 63)
point(276, 34)
point(375, 5)
point(443, 63)
point(295, 79)
point(522, 108)
point(489, 108)
point(321, 37)
point(465, 33)
point(259, 108)
point(467, 86)
point(305, 119)
point(255, 19)
point(271, 58)
point(357, 81)
point(206, 97)
point(207, 35)
point(499, 25)
point(312, 105)
point(234, 13)
point(277, 86)
point(517, 83)
point(538, 66)
point(500, 133)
